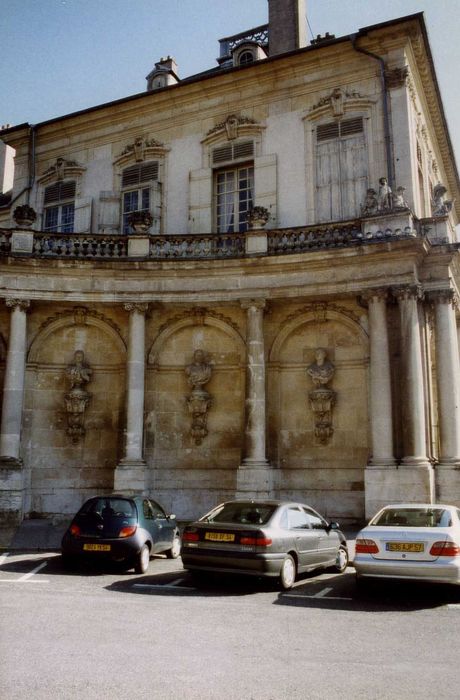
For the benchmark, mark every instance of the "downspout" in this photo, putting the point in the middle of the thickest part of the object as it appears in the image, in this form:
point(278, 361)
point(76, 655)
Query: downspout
point(386, 108)
point(32, 134)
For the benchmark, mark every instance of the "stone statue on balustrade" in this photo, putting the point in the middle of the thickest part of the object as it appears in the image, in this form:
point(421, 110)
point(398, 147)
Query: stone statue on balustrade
point(322, 398)
point(440, 206)
point(198, 374)
point(77, 399)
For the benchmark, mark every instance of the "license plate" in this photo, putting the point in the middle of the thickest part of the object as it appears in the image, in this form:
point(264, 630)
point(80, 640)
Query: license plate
point(97, 547)
point(219, 536)
point(405, 547)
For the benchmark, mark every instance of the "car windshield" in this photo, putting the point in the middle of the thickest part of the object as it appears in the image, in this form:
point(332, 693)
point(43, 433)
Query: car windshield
point(109, 508)
point(413, 517)
point(241, 513)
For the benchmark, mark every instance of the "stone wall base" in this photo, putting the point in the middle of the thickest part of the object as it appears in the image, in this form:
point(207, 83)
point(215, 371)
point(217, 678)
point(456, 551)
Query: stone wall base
point(129, 477)
point(448, 485)
point(255, 481)
point(11, 492)
point(404, 484)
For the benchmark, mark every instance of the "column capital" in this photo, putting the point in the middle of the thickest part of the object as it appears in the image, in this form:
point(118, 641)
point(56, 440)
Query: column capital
point(376, 293)
point(443, 296)
point(23, 304)
point(139, 307)
point(253, 303)
point(407, 291)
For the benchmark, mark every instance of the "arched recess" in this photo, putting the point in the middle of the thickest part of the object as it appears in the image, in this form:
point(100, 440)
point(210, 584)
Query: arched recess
point(188, 477)
point(330, 474)
point(60, 473)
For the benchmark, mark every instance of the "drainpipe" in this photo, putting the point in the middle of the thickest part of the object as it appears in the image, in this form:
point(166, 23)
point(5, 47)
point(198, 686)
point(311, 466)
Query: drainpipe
point(386, 108)
point(32, 134)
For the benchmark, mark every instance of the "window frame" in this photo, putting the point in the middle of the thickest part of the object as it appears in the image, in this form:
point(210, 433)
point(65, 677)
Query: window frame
point(59, 205)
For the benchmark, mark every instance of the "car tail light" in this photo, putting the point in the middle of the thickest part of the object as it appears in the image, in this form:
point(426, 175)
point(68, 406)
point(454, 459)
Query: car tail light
point(258, 540)
point(445, 549)
point(127, 531)
point(75, 530)
point(190, 537)
point(366, 547)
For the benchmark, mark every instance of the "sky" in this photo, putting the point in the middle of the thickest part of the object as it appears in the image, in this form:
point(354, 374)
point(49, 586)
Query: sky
point(60, 56)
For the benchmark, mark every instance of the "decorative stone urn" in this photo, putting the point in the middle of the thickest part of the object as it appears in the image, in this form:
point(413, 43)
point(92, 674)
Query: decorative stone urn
point(140, 221)
point(257, 217)
point(24, 215)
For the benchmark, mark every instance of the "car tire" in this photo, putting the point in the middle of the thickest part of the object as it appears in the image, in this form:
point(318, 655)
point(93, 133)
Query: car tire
point(287, 573)
point(174, 552)
point(341, 561)
point(141, 563)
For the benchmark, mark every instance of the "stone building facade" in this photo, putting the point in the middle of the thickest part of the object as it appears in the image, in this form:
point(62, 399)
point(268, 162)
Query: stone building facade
point(242, 283)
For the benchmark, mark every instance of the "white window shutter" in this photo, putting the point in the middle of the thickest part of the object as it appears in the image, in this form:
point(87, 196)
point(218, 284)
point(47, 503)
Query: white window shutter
point(327, 181)
point(265, 185)
point(109, 212)
point(155, 206)
point(200, 193)
point(83, 211)
point(353, 159)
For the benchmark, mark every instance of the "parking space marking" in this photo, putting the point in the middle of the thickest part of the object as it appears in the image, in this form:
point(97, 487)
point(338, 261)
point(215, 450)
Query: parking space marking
point(323, 593)
point(159, 586)
point(3, 557)
point(38, 568)
point(28, 578)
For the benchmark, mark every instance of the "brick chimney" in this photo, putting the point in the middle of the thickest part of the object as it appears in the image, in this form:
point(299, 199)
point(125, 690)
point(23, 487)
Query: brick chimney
point(287, 26)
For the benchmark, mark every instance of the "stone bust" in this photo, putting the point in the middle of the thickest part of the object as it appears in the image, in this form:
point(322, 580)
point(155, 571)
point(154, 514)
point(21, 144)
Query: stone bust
point(199, 371)
point(322, 370)
point(79, 373)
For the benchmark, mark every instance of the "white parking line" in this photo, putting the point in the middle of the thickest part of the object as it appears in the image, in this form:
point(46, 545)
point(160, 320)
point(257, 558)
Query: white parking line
point(323, 593)
point(3, 558)
point(38, 568)
point(28, 578)
point(158, 586)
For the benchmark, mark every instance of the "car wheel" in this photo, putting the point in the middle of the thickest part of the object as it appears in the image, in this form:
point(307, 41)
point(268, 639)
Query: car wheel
point(341, 561)
point(142, 560)
point(174, 552)
point(287, 573)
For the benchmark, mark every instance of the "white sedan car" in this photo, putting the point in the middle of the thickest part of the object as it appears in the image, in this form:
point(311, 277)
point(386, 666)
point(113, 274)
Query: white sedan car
point(417, 541)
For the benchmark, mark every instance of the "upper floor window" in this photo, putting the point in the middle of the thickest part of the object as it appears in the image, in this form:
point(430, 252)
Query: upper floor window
point(59, 207)
point(341, 168)
point(233, 185)
point(139, 184)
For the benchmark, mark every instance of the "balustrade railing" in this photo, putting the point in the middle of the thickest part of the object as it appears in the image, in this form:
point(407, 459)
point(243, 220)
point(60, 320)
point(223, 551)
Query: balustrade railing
point(197, 246)
point(74, 245)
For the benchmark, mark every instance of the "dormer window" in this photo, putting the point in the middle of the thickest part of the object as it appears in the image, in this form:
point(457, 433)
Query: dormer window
point(248, 52)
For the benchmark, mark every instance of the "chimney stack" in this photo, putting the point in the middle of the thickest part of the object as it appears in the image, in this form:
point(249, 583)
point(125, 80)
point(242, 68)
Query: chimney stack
point(287, 26)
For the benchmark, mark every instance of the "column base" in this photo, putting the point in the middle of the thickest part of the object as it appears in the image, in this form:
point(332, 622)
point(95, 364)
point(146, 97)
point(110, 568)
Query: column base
point(448, 484)
point(397, 484)
point(129, 477)
point(11, 492)
point(254, 479)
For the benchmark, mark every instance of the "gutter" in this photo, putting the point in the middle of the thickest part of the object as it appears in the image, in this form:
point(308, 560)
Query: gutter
point(386, 108)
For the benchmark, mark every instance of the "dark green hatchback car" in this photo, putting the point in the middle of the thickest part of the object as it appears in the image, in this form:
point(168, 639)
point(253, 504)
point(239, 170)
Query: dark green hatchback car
point(123, 529)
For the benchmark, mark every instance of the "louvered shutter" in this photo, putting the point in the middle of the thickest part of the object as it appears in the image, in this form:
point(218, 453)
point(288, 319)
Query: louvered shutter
point(155, 206)
point(200, 207)
point(109, 212)
point(83, 212)
point(265, 185)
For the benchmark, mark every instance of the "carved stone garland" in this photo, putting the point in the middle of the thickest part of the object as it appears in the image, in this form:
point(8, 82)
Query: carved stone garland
point(199, 402)
point(321, 398)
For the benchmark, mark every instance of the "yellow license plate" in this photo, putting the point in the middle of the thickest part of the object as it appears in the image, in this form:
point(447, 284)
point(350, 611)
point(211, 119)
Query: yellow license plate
point(97, 547)
point(405, 546)
point(219, 536)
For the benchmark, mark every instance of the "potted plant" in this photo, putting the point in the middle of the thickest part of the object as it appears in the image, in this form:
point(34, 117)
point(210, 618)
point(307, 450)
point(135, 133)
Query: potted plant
point(140, 221)
point(257, 217)
point(24, 215)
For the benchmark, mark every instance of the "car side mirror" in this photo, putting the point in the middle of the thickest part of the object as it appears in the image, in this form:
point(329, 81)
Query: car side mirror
point(171, 516)
point(333, 526)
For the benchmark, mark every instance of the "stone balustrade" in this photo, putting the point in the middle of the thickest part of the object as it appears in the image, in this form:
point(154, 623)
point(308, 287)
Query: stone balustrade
point(198, 246)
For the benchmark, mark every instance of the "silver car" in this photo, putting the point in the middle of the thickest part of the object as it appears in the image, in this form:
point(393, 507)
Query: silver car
point(419, 541)
point(263, 538)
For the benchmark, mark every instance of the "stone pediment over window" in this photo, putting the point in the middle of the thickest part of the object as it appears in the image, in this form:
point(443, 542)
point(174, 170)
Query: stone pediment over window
point(233, 127)
point(142, 149)
point(62, 169)
point(337, 103)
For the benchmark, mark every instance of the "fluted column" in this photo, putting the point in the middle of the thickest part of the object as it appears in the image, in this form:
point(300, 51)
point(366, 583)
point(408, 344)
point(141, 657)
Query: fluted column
point(130, 472)
point(255, 433)
point(13, 389)
point(380, 380)
point(448, 375)
point(413, 401)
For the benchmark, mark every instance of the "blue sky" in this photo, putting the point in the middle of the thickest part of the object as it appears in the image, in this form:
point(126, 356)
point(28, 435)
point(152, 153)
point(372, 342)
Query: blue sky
point(59, 56)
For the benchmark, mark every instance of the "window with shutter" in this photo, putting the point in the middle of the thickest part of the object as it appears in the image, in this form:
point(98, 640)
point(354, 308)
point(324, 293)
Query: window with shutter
point(136, 183)
point(233, 186)
point(59, 213)
point(341, 169)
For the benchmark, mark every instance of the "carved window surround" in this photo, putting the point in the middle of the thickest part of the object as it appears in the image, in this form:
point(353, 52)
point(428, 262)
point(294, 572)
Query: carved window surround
point(142, 149)
point(233, 128)
point(62, 169)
